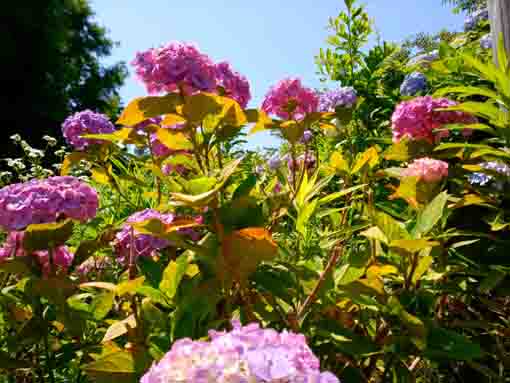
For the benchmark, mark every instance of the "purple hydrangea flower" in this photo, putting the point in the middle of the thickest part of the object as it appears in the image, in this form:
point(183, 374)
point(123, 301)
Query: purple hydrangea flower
point(259, 170)
point(345, 97)
point(473, 19)
point(413, 83)
point(307, 137)
point(275, 162)
point(144, 245)
point(235, 85)
point(82, 123)
point(45, 201)
point(486, 41)
point(497, 167)
point(246, 354)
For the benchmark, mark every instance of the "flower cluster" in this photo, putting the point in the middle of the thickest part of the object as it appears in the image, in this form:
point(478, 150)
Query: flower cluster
point(181, 66)
point(245, 354)
point(308, 159)
point(427, 170)
point(418, 118)
point(289, 99)
point(233, 83)
point(424, 59)
point(413, 83)
point(93, 264)
point(144, 245)
point(475, 18)
point(497, 168)
point(486, 42)
point(307, 137)
point(62, 258)
point(45, 201)
point(82, 123)
point(345, 97)
point(275, 162)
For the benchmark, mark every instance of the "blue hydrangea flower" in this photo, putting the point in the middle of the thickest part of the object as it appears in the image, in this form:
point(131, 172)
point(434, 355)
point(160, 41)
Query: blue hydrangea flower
point(344, 97)
point(497, 167)
point(475, 18)
point(275, 163)
point(486, 41)
point(413, 83)
point(480, 179)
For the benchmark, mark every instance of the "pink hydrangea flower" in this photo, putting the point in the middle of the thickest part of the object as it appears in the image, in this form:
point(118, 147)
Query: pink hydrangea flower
point(175, 65)
point(236, 86)
point(427, 170)
point(418, 118)
point(82, 123)
point(245, 354)
point(62, 258)
point(290, 99)
point(45, 201)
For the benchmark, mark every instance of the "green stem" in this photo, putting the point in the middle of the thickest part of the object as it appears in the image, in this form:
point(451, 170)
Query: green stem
point(153, 158)
point(49, 360)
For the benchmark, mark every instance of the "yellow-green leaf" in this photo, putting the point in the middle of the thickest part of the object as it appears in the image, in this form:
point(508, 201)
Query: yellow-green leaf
point(143, 108)
point(46, 236)
point(174, 140)
point(412, 245)
point(70, 160)
point(370, 157)
point(199, 105)
point(375, 233)
point(129, 286)
point(338, 162)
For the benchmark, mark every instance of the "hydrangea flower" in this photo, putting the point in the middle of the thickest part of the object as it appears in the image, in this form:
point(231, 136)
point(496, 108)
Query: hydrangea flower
point(289, 99)
point(85, 122)
point(259, 170)
point(418, 118)
point(473, 19)
point(144, 245)
point(478, 178)
point(246, 354)
point(427, 170)
point(62, 258)
point(486, 41)
point(307, 137)
point(413, 83)
point(168, 169)
point(278, 187)
point(236, 86)
point(45, 201)
point(173, 66)
point(308, 159)
point(93, 264)
point(275, 162)
point(424, 59)
point(483, 179)
point(345, 97)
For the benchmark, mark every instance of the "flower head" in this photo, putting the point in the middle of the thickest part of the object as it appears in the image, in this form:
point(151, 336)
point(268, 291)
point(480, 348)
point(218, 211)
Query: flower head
point(427, 170)
point(345, 97)
point(486, 41)
point(45, 201)
point(233, 83)
point(307, 137)
point(475, 18)
point(424, 59)
point(418, 118)
point(290, 99)
point(413, 83)
point(245, 354)
point(173, 66)
point(275, 162)
point(86, 122)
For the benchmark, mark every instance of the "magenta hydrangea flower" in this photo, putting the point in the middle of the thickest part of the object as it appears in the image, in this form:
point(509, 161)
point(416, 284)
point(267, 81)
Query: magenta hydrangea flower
point(307, 158)
point(418, 118)
point(427, 170)
point(236, 86)
point(150, 121)
point(246, 354)
point(13, 247)
point(145, 245)
point(169, 169)
point(45, 201)
point(93, 264)
point(82, 123)
point(173, 66)
point(290, 99)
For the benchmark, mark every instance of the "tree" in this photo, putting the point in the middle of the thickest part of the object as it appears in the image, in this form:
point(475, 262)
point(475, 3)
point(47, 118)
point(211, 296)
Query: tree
point(52, 53)
point(466, 5)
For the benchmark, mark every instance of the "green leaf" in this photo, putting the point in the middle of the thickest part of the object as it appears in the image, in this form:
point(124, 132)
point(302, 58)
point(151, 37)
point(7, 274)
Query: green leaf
point(140, 109)
point(431, 215)
point(173, 275)
point(245, 187)
point(404, 150)
point(200, 185)
point(174, 140)
point(370, 157)
point(102, 304)
point(413, 324)
point(392, 229)
point(493, 279)
point(118, 367)
point(260, 119)
point(155, 295)
point(423, 266)
point(445, 344)
point(333, 196)
point(70, 160)
point(338, 163)
point(119, 328)
point(130, 286)
point(46, 236)
point(375, 233)
point(199, 105)
point(412, 245)
point(19, 265)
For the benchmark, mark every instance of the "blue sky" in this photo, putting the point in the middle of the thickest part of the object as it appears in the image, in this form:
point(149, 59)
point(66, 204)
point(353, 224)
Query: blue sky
point(265, 40)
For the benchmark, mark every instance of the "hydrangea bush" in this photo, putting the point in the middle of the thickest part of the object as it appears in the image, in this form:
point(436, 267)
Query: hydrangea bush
point(176, 254)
